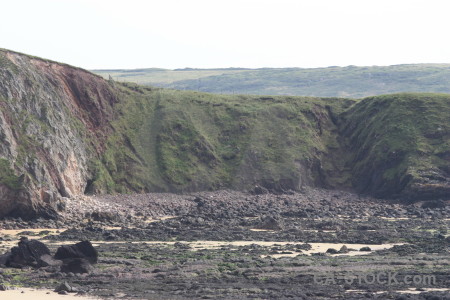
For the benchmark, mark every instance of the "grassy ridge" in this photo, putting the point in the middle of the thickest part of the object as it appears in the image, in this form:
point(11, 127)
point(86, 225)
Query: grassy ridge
point(351, 81)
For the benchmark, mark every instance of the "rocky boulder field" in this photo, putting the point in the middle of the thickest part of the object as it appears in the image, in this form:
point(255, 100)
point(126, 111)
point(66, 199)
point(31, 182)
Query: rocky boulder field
point(312, 244)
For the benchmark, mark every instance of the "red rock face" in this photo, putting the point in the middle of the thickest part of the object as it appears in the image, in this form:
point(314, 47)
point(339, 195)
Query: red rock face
point(54, 118)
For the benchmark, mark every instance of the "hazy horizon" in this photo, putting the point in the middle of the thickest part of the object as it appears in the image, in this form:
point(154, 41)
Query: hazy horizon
point(175, 34)
point(245, 68)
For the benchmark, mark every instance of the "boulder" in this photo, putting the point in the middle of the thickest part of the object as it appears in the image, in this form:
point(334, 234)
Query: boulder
point(65, 287)
point(104, 216)
point(270, 223)
point(344, 249)
point(76, 265)
point(83, 250)
point(434, 204)
point(48, 260)
point(332, 251)
point(258, 190)
point(28, 253)
point(5, 258)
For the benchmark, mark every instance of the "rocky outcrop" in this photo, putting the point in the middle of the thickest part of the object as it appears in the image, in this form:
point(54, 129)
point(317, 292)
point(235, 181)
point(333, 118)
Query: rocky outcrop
point(83, 250)
point(77, 258)
point(53, 121)
point(27, 253)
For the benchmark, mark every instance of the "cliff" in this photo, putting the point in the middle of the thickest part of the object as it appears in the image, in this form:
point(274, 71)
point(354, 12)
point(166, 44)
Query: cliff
point(66, 131)
point(54, 120)
point(400, 145)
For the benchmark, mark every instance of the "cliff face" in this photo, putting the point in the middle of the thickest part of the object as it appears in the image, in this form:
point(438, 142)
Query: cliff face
point(65, 132)
point(53, 120)
point(400, 145)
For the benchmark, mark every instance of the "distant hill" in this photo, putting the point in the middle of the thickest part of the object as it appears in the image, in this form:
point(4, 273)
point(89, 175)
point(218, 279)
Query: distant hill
point(351, 81)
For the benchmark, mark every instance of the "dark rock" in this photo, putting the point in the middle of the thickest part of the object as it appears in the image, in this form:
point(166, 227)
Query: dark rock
point(200, 202)
point(259, 190)
point(5, 258)
point(344, 249)
point(104, 216)
point(332, 251)
point(83, 250)
point(434, 204)
point(365, 249)
point(270, 223)
point(76, 265)
point(48, 260)
point(3, 287)
point(303, 246)
point(182, 245)
point(28, 253)
point(63, 287)
point(366, 227)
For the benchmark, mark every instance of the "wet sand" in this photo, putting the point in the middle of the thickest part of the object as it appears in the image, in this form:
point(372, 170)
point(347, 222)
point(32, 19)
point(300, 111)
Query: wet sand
point(412, 291)
point(15, 234)
point(33, 294)
point(208, 245)
point(34, 230)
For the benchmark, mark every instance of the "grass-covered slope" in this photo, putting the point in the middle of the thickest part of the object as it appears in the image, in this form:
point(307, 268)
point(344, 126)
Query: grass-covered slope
point(387, 146)
point(169, 140)
point(351, 81)
point(400, 145)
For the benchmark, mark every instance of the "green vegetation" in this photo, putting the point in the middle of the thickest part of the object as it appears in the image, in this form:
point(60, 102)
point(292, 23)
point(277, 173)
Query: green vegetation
point(7, 176)
point(402, 141)
point(169, 140)
point(351, 81)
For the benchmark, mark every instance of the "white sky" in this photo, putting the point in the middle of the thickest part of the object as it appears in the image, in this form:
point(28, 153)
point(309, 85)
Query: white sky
point(228, 33)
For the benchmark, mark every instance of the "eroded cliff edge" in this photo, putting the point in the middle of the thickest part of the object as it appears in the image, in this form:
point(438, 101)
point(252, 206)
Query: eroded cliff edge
point(66, 131)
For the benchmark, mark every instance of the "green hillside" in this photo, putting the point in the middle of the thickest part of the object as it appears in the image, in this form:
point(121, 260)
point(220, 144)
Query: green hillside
point(400, 144)
point(351, 81)
point(182, 141)
point(387, 146)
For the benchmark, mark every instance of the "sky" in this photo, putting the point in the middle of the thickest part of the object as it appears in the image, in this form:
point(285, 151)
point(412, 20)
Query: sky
point(113, 34)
